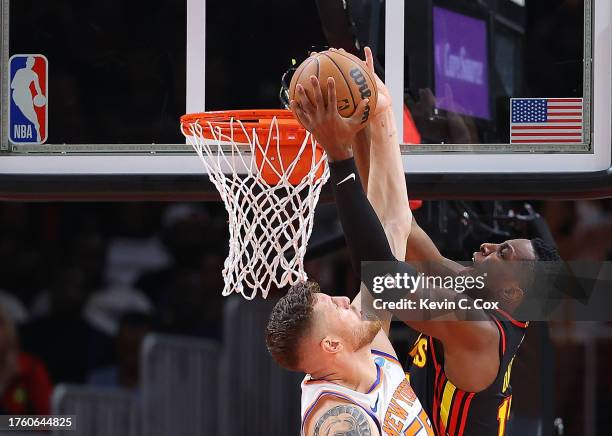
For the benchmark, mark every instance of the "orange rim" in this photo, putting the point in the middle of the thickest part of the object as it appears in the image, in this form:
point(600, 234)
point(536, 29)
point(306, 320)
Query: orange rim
point(291, 136)
point(290, 130)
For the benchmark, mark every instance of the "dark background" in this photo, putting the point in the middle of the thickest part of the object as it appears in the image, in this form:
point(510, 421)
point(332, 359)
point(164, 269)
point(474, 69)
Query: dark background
point(117, 68)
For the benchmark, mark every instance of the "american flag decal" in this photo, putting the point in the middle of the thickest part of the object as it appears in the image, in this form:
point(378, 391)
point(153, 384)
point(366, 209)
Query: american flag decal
point(546, 121)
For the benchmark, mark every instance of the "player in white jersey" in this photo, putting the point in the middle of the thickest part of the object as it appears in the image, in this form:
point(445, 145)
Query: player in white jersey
point(389, 405)
point(354, 383)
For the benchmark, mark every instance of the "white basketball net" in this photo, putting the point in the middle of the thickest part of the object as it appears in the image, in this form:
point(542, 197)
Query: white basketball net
point(269, 226)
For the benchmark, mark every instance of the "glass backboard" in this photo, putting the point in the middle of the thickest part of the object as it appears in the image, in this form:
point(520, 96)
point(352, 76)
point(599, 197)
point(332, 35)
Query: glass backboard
point(504, 86)
point(479, 87)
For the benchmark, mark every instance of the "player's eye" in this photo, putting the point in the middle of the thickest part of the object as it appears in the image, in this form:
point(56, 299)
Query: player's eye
point(504, 251)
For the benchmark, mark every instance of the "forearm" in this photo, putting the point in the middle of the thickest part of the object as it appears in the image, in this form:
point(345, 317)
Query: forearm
point(365, 236)
point(387, 187)
point(423, 253)
point(367, 242)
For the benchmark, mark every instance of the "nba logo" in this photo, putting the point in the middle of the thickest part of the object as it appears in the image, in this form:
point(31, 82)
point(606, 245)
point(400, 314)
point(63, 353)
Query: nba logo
point(28, 108)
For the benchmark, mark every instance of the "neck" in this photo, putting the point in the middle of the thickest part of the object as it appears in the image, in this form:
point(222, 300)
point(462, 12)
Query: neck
point(356, 371)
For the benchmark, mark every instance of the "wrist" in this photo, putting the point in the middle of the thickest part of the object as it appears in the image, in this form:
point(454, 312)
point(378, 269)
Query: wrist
point(341, 169)
point(383, 124)
point(338, 152)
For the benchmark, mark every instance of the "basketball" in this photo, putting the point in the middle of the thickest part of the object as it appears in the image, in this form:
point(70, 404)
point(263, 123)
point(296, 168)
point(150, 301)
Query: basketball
point(353, 81)
point(40, 100)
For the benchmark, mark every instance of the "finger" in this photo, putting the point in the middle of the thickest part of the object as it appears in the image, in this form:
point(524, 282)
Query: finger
point(304, 104)
point(357, 118)
point(332, 102)
point(318, 94)
point(299, 114)
point(370, 66)
point(304, 100)
point(369, 59)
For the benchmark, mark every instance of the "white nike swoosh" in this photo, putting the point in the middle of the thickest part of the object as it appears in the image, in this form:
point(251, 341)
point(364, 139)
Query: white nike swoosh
point(350, 176)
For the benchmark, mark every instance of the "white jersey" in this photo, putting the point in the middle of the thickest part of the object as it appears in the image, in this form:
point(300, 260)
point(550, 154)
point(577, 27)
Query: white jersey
point(390, 402)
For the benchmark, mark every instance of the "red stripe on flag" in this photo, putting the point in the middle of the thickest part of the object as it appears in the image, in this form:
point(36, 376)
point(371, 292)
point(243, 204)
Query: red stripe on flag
point(567, 114)
point(564, 107)
point(546, 127)
point(546, 141)
point(565, 100)
point(578, 120)
point(547, 134)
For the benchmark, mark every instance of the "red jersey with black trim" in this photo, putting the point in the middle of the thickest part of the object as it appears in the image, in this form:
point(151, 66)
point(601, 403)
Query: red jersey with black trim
point(454, 412)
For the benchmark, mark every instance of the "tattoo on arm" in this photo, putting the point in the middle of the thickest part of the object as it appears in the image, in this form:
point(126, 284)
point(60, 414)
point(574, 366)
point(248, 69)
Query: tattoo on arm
point(343, 420)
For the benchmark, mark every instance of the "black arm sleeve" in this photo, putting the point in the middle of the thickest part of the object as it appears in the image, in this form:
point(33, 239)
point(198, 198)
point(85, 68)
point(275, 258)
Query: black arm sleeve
point(364, 234)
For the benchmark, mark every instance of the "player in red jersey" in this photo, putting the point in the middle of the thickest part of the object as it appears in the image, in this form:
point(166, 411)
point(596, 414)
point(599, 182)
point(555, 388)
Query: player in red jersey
point(461, 368)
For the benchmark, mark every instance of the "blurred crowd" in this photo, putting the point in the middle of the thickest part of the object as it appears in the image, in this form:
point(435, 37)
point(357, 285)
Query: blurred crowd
point(81, 284)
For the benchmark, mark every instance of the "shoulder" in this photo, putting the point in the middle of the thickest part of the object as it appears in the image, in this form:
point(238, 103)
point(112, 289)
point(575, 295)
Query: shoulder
point(382, 345)
point(337, 416)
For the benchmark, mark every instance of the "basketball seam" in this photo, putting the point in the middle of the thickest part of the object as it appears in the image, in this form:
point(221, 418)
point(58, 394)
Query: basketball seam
point(364, 70)
point(345, 80)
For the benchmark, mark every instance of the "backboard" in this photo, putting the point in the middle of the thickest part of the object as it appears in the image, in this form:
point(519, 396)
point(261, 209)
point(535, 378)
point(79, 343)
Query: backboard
point(466, 78)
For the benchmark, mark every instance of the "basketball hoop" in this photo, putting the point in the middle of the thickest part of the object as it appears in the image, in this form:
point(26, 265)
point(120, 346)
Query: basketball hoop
point(269, 172)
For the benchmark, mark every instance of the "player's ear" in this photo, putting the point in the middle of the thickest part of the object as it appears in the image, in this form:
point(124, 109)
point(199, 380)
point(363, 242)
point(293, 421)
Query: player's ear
point(331, 345)
point(513, 294)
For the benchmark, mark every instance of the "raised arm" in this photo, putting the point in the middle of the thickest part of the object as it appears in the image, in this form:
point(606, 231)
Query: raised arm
point(386, 188)
point(366, 238)
point(379, 171)
point(425, 256)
